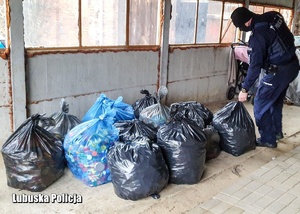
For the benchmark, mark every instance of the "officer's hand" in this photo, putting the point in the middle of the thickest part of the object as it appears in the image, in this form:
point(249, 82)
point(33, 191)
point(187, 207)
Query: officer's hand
point(243, 96)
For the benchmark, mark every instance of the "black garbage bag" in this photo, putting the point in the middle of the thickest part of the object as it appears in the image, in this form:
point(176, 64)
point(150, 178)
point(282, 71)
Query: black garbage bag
point(138, 169)
point(62, 121)
point(185, 111)
point(144, 102)
point(130, 130)
point(156, 114)
point(213, 148)
point(194, 111)
point(33, 157)
point(236, 128)
point(184, 148)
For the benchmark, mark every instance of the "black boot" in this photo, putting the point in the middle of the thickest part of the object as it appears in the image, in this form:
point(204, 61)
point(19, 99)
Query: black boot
point(279, 135)
point(265, 144)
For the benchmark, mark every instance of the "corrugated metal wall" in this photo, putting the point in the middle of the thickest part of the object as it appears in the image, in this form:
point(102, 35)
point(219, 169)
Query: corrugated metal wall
point(194, 74)
point(198, 74)
point(80, 78)
point(5, 101)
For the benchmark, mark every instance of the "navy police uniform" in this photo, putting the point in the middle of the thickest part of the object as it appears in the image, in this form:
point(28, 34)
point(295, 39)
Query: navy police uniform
point(271, 47)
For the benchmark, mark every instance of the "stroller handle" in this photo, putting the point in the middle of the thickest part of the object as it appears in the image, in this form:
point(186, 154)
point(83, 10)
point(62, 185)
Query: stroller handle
point(240, 43)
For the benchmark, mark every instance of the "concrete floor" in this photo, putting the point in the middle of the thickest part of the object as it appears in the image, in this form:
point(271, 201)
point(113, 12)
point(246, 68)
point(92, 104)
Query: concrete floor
point(219, 174)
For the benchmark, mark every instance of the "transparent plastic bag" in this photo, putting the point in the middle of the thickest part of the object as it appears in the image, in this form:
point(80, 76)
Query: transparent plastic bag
point(157, 114)
point(86, 146)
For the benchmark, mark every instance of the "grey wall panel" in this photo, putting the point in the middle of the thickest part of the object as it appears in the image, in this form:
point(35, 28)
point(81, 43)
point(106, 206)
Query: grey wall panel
point(5, 97)
point(188, 90)
point(197, 62)
point(79, 105)
point(5, 102)
point(221, 59)
point(6, 124)
point(63, 75)
point(81, 78)
point(217, 88)
point(191, 63)
point(203, 90)
point(198, 74)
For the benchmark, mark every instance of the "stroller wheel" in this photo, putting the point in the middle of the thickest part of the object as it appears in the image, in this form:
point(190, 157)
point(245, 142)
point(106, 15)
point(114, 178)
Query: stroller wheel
point(230, 93)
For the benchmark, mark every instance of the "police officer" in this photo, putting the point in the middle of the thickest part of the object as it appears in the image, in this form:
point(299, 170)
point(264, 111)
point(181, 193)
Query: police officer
point(271, 50)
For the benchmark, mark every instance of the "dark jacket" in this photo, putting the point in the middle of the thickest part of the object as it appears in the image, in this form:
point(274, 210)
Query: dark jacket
point(270, 43)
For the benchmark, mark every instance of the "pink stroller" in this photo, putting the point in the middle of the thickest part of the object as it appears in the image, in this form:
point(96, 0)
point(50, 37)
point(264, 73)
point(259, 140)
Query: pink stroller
point(238, 70)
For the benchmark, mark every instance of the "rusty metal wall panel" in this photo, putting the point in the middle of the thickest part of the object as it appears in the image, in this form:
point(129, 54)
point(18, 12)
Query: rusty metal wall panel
point(6, 123)
point(190, 64)
point(205, 90)
point(82, 77)
point(5, 95)
point(197, 62)
point(5, 102)
point(79, 105)
point(198, 74)
point(283, 3)
point(194, 74)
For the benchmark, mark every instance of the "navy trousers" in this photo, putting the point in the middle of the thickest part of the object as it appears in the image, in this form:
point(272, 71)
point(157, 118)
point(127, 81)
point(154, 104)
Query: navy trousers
point(269, 98)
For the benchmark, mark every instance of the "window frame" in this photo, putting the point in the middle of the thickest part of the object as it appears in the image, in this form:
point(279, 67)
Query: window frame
point(88, 49)
point(238, 34)
point(211, 44)
point(4, 52)
point(126, 47)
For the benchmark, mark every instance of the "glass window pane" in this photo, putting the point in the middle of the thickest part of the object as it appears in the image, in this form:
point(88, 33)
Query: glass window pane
point(287, 15)
point(209, 21)
point(260, 9)
point(50, 23)
point(267, 9)
point(2, 23)
point(144, 19)
point(103, 22)
point(183, 22)
point(256, 9)
point(228, 29)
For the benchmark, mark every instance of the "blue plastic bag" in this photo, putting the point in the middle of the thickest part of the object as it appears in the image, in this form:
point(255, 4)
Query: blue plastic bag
point(103, 104)
point(86, 146)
